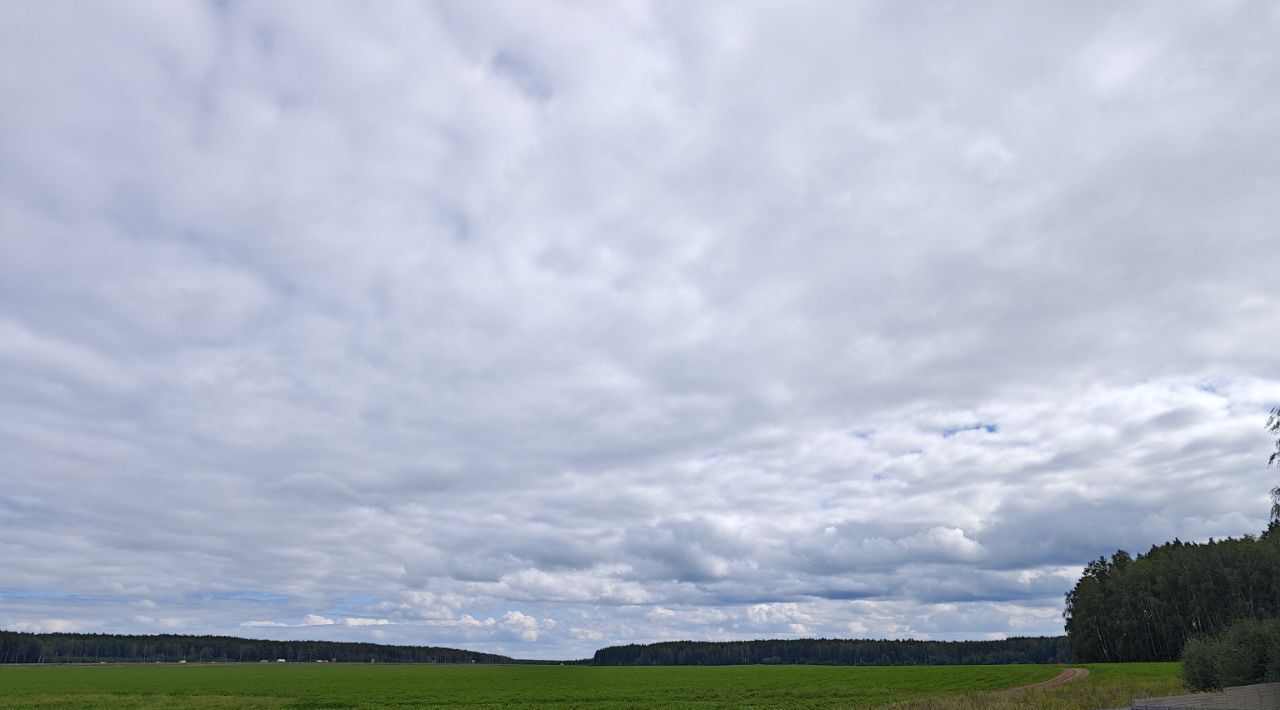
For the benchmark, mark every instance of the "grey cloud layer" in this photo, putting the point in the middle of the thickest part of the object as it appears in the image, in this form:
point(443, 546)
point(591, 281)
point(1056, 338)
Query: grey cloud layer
point(534, 328)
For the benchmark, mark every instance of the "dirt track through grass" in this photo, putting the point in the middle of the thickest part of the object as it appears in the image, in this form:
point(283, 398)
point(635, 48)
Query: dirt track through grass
point(1107, 685)
point(1067, 675)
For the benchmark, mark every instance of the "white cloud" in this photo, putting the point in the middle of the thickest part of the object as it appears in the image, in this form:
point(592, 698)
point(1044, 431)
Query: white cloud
point(586, 634)
point(765, 613)
point(525, 627)
point(45, 626)
point(358, 621)
point(173, 623)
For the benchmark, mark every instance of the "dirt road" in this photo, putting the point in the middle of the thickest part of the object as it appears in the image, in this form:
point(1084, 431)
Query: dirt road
point(1066, 676)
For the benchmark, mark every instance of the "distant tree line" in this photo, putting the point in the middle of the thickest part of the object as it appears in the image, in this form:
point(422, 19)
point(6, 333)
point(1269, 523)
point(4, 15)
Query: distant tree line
point(20, 647)
point(838, 652)
point(1147, 608)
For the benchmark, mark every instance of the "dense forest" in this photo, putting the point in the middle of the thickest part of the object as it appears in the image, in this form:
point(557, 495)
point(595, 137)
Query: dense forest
point(1147, 608)
point(18, 647)
point(838, 652)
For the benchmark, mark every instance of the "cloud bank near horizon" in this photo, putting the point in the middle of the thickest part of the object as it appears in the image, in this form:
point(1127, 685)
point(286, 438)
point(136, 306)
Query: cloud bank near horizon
point(531, 328)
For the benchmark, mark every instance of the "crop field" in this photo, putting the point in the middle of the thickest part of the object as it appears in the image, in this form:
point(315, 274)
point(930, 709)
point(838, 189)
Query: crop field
point(406, 686)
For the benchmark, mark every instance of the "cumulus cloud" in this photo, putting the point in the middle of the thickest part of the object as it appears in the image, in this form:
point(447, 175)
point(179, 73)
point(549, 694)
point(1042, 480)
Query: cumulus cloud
point(172, 624)
point(359, 621)
point(655, 320)
point(513, 624)
point(311, 620)
point(45, 626)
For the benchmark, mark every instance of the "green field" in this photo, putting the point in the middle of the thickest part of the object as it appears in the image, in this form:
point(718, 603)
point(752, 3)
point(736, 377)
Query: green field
point(406, 686)
point(1109, 685)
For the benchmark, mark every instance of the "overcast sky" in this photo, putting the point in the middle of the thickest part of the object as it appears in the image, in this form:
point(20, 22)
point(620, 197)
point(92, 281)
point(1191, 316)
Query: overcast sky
point(533, 327)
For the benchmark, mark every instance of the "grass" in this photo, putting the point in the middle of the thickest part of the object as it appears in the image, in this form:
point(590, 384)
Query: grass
point(257, 686)
point(1109, 685)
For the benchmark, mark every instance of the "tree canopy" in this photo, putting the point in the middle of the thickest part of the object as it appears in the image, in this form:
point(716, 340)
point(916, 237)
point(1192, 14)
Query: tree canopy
point(1273, 428)
point(1146, 608)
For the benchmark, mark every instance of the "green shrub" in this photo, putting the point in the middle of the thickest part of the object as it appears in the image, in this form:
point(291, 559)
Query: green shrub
point(1199, 664)
point(1247, 652)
